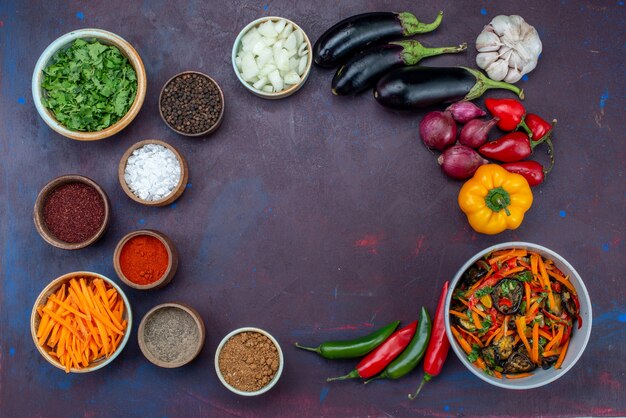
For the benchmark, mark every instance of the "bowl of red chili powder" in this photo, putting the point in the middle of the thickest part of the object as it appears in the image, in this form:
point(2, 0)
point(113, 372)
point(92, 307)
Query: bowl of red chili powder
point(145, 259)
point(71, 212)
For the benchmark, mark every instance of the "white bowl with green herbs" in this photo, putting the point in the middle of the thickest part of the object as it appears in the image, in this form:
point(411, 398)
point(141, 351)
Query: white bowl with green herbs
point(89, 84)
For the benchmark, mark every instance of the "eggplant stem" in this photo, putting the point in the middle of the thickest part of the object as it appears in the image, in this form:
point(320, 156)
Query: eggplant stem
point(411, 26)
point(414, 51)
point(484, 83)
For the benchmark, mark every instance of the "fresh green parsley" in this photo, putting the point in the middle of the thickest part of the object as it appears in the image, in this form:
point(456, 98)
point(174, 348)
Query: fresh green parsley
point(483, 291)
point(474, 354)
point(89, 86)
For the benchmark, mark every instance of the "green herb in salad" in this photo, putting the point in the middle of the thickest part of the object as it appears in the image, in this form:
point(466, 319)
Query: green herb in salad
point(89, 86)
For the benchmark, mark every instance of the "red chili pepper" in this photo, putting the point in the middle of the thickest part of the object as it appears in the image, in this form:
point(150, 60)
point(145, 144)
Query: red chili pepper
point(511, 113)
point(556, 286)
point(505, 302)
point(578, 317)
point(532, 171)
point(438, 345)
point(510, 148)
point(494, 318)
point(538, 126)
point(567, 333)
point(376, 361)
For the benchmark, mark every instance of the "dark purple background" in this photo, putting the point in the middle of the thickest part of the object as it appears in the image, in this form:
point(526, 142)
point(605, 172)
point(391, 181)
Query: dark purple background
point(313, 217)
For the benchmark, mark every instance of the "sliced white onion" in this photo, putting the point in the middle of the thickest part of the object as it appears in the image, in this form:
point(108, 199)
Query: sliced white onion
point(292, 78)
point(272, 56)
point(276, 80)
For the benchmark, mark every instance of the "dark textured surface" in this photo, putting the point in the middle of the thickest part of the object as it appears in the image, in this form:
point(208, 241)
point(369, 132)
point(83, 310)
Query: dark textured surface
point(313, 217)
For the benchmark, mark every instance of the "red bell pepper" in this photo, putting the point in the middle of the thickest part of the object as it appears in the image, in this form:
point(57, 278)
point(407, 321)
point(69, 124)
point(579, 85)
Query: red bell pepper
point(512, 147)
point(511, 113)
point(376, 361)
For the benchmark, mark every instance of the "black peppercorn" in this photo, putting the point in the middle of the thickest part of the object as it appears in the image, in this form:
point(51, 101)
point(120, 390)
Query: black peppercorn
point(191, 103)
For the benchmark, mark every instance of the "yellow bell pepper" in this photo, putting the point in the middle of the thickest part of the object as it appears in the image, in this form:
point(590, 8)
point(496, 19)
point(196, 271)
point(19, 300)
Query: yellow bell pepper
point(495, 199)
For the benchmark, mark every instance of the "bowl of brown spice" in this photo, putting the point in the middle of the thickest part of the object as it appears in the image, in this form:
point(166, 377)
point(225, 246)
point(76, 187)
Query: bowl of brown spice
point(192, 104)
point(145, 259)
point(71, 212)
point(249, 361)
point(171, 335)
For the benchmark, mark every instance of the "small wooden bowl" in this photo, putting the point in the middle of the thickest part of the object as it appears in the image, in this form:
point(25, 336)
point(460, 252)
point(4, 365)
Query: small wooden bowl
point(193, 353)
point(171, 266)
point(42, 229)
point(178, 190)
point(219, 119)
point(52, 288)
point(103, 37)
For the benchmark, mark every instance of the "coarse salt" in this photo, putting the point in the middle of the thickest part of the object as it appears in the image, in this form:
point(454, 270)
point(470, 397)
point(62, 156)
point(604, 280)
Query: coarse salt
point(152, 172)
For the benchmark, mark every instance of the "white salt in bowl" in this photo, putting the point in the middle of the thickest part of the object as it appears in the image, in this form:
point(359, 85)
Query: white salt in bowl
point(264, 389)
point(176, 192)
point(286, 92)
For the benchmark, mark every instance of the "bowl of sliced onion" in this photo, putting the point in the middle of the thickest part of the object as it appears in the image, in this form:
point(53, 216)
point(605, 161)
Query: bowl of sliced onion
point(272, 57)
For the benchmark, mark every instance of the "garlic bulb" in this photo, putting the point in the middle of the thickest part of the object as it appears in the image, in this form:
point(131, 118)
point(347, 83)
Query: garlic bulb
point(508, 48)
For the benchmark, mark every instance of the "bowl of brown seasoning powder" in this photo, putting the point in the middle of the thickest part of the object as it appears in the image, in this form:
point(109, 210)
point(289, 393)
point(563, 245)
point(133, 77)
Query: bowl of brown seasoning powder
point(71, 212)
point(249, 361)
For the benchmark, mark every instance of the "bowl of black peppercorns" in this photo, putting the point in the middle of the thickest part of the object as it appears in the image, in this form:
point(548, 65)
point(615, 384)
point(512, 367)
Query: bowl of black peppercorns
point(191, 104)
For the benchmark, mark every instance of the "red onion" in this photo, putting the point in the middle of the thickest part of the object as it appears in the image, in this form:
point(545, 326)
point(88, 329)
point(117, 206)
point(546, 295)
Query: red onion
point(475, 132)
point(438, 130)
point(460, 162)
point(465, 111)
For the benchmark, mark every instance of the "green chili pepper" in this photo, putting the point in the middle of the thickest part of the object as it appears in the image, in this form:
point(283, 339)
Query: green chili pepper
point(411, 356)
point(353, 348)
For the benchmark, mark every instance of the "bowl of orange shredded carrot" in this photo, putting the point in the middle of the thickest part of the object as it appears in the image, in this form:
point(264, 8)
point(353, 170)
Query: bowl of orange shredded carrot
point(518, 315)
point(81, 322)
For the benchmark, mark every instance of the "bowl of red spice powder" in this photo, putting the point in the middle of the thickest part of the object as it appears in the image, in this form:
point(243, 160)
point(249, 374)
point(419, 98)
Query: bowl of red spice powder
point(71, 212)
point(145, 259)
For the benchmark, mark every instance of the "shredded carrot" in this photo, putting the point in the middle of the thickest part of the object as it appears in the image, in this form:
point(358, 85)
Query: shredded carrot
point(521, 331)
point(551, 353)
point(464, 344)
point(491, 337)
point(518, 375)
point(545, 335)
point(513, 271)
point(559, 362)
point(546, 284)
point(535, 352)
point(527, 291)
point(556, 341)
point(473, 337)
point(497, 374)
point(479, 312)
point(476, 319)
point(81, 322)
point(563, 280)
point(459, 314)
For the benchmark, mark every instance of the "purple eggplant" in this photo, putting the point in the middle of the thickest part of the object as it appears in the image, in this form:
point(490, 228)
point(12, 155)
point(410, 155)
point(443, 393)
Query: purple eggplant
point(415, 87)
point(357, 32)
point(362, 71)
